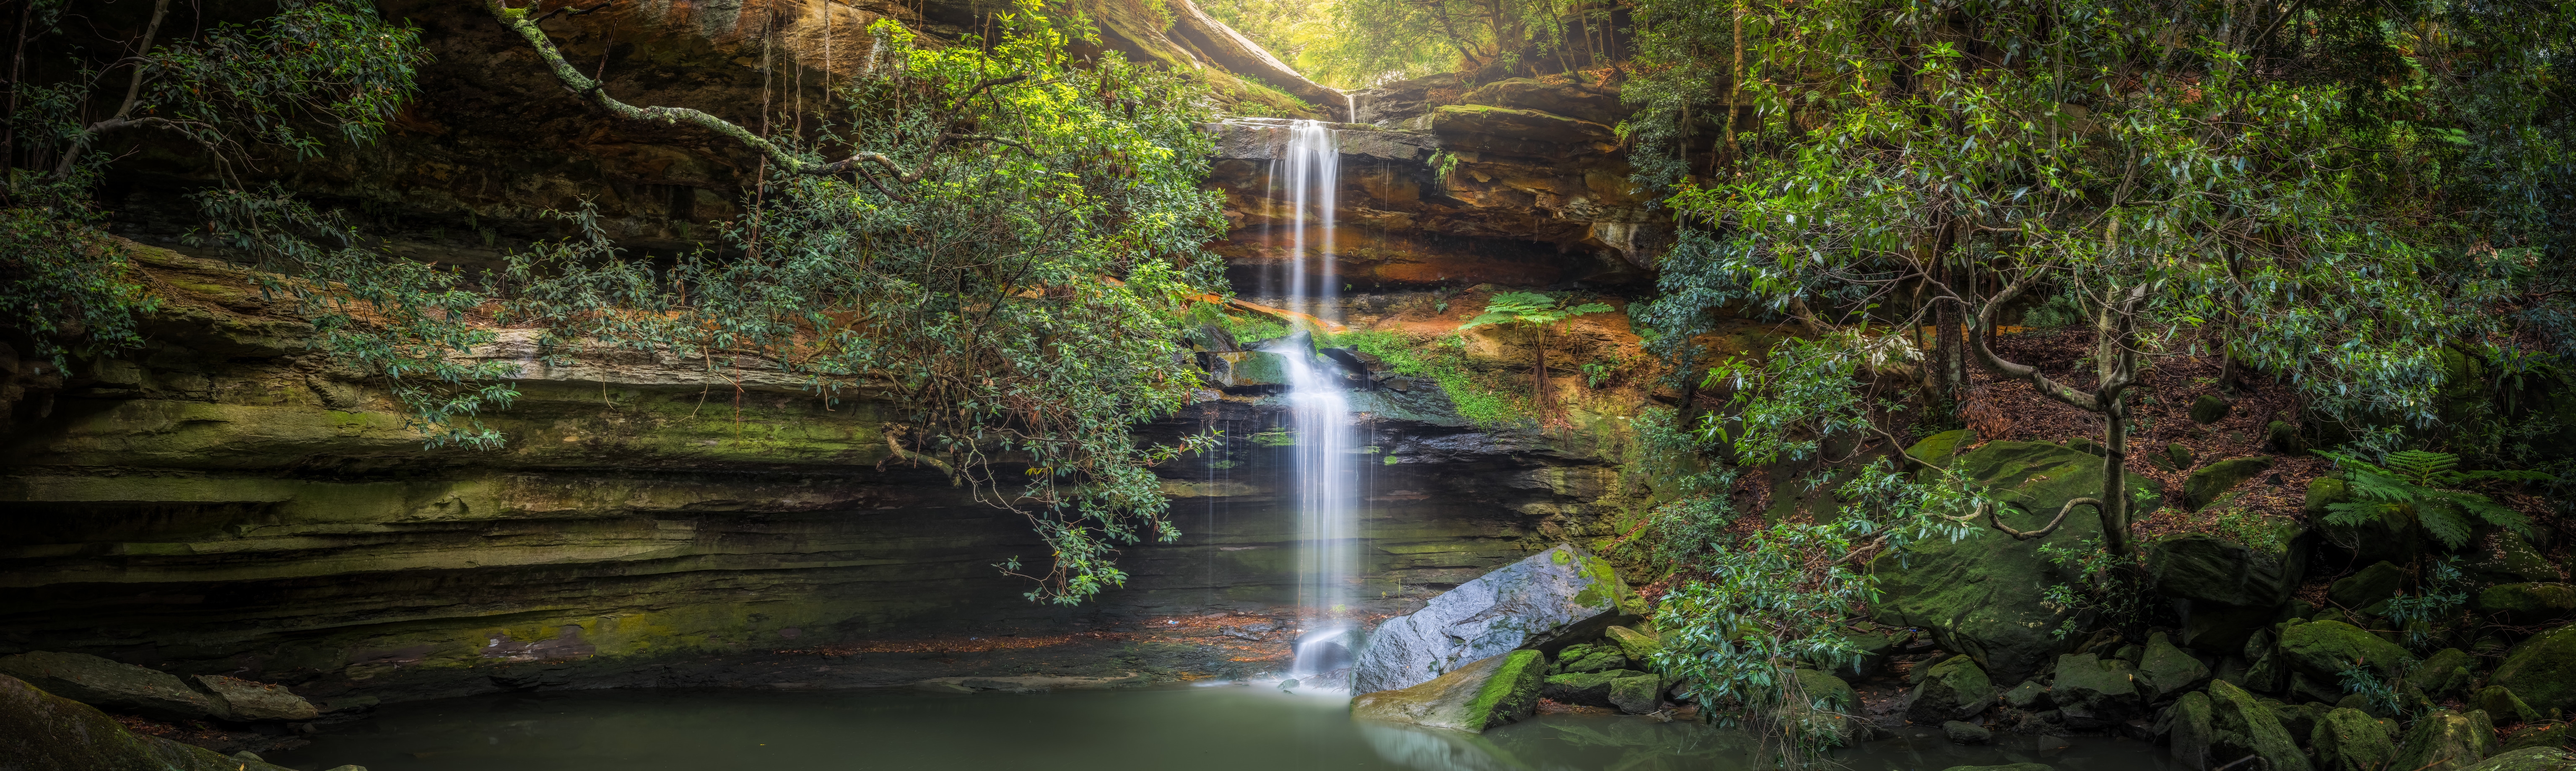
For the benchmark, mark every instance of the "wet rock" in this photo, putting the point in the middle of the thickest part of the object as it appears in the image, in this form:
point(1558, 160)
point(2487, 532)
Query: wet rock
point(2447, 740)
point(1561, 593)
point(2204, 486)
point(1951, 690)
point(2367, 587)
point(2167, 670)
point(2208, 569)
point(2096, 693)
point(2323, 649)
point(107, 684)
point(1637, 694)
point(47, 732)
point(2029, 696)
point(2542, 670)
point(2242, 726)
point(1966, 733)
point(247, 700)
point(1984, 595)
point(1592, 688)
point(2350, 740)
point(1481, 694)
point(2210, 408)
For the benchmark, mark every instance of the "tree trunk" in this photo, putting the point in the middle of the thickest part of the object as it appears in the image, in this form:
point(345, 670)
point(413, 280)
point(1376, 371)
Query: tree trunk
point(2115, 469)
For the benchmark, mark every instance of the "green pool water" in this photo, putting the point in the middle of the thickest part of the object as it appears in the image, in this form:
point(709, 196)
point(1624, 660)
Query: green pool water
point(1230, 728)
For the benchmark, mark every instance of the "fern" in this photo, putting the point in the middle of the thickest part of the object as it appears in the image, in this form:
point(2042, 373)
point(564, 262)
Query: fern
point(2425, 483)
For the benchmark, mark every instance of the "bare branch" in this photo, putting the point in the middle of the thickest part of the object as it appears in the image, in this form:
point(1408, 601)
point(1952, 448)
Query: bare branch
point(1994, 516)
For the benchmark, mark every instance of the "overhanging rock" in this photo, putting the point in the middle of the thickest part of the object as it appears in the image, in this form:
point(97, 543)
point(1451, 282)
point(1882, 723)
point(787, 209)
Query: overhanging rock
point(1562, 594)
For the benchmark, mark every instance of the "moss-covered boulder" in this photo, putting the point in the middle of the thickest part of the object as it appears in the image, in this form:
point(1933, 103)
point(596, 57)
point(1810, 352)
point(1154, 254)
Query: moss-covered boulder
point(2542, 670)
point(113, 685)
point(2243, 726)
point(1637, 694)
point(2324, 649)
point(1563, 593)
point(2351, 740)
point(1984, 595)
point(2093, 692)
point(2502, 706)
point(2005, 767)
point(2447, 740)
point(2529, 759)
point(1938, 449)
point(2223, 630)
point(2166, 670)
point(247, 700)
point(2555, 734)
point(2504, 557)
point(1639, 647)
point(2209, 569)
point(2188, 728)
point(1587, 657)
point(2205, 485)
point(2445, 671)
point(2210, 408)
point(1483, 694)
point(2367, 586)
point(1954, 689)
point(40, 731)
point(1590, 688)
point(2527, 602)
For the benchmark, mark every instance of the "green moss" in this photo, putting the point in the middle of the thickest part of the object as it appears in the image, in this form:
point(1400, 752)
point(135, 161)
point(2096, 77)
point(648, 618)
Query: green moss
point(1484, 398)
point(1512, 693)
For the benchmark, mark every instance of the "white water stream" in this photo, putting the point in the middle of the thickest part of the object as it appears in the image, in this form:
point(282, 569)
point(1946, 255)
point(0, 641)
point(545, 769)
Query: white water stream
point(1325, 472)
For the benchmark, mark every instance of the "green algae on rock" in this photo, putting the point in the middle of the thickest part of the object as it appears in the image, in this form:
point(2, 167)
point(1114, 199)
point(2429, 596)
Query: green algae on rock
point(2542, 670)
point(1483, 694)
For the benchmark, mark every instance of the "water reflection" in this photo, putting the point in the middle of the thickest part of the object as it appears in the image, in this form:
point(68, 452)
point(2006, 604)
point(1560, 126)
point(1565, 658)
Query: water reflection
point(1193, 729)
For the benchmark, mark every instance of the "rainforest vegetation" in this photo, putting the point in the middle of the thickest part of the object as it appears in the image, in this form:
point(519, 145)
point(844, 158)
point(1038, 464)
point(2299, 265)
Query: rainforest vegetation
point(2367, 206)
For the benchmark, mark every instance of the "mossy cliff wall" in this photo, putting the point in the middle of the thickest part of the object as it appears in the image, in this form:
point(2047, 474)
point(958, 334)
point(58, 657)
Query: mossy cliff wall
point(227, 501)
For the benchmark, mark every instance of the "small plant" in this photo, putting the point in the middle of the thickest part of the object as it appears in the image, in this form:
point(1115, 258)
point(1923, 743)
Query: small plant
point(1596, 373)
point(2427, 485)
point(2103, 584)
point(2442, 593)
point(2255, 530)
point(2387, 696)
point(1535, 311)
point(1442, 163)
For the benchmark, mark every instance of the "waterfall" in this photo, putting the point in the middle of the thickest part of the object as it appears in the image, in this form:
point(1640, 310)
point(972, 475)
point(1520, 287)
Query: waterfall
point(1325, 472)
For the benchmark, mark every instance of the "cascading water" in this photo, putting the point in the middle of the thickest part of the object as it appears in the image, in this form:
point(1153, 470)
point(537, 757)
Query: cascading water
point(1325, 471)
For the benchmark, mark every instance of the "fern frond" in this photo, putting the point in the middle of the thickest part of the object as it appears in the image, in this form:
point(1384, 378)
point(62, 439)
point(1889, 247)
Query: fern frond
point(2506, 476)
point(2423, 467)
point(2369, 485)
point(2444, 521)
point(2353, 513)
point(2487, 509)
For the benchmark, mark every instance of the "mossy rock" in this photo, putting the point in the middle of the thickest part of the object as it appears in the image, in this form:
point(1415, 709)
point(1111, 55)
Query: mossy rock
point(2244, 726)
point(1637, 694)
point(2527, 602)
point(2095, 693)
point(2447, 740)
point(2204, 486)
point(1591, 688)
point(2551, 735)
point(2224, 629)
point(1638, 647)
point(2542, 670)
point(2529, 759)
point(2324, 492)
point(2350, 740)
point(2445, 671)
point(2282, 438)
point(1589, 657)
point(1483, 694)
point(1954, 689)
point(2005, 767)
point(2504, 557)
point(113, 685)
point(1938, 449)
point(2323, 649)
point(1984, 595)
point(39, 730)
point(2179, 455)
point(2189, 727)
point(2209, 569)
point(2167, 670)
point(2210, 408)
point(2503, 707)
point(2369, 586)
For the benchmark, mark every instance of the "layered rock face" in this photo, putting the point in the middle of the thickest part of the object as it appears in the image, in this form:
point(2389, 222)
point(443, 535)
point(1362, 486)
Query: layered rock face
point(226, 502)
point(1519, 182)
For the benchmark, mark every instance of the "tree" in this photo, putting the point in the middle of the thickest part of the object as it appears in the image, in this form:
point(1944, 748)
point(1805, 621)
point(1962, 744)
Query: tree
point(1000, 252)
point(1374, 41)
point(1534, 311)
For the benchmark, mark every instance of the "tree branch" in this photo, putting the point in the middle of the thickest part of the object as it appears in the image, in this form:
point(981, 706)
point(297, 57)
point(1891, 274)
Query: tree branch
point(133, 91)
point(1986, 352)
point(1994, 516)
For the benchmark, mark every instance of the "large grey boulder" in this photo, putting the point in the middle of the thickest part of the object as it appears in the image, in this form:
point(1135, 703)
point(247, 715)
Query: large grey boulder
point(39, 730)
point(248, 700)
point(107, 684)
point(1563, 593)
